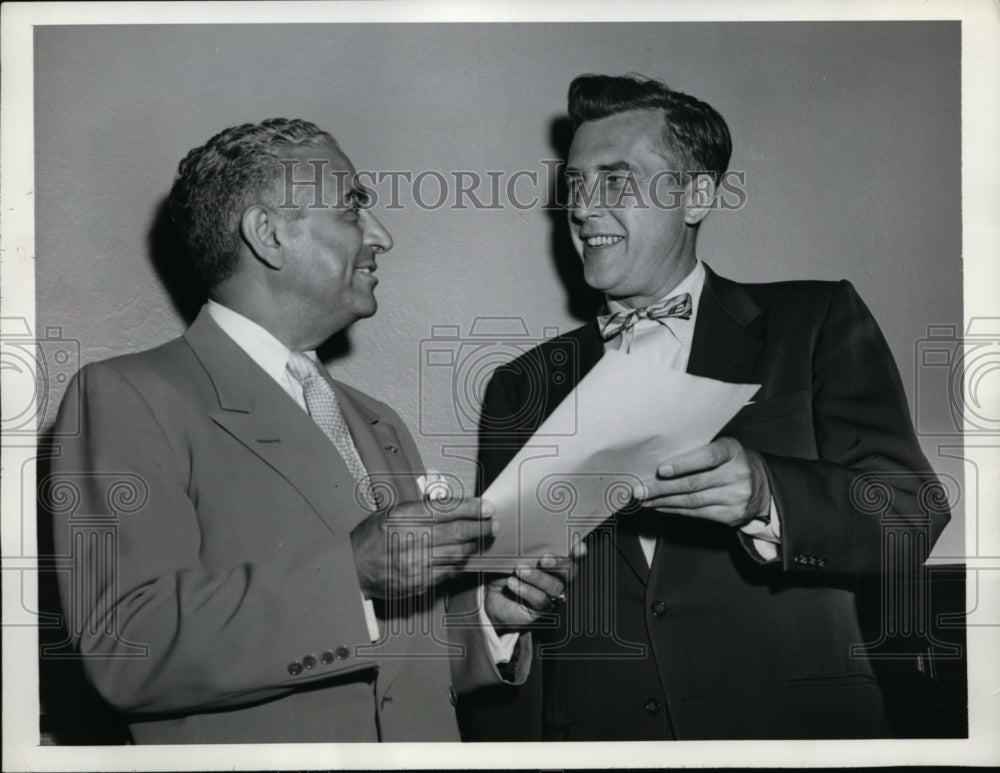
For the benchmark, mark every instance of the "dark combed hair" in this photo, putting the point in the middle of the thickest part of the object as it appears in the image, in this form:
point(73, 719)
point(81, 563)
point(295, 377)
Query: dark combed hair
point(694, 133)
point(216, 182)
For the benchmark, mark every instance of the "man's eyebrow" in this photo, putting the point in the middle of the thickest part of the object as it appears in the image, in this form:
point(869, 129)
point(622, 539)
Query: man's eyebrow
point(614, 166)
point(350, 193)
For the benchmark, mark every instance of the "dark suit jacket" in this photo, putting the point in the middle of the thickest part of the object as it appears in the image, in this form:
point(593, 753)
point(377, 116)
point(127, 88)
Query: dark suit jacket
point(215, 597)
point(712, 642)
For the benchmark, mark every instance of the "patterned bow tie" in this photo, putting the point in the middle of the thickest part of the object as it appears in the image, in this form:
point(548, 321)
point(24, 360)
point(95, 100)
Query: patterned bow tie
point(677, 306)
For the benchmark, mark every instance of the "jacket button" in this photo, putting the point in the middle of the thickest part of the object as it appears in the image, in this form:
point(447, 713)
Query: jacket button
point(295, 668)
point(652, 706)
point(452, 697)
point(821, 563)
point(658, 608)
point(309, 661)
point(342, 652)
point(327, 657)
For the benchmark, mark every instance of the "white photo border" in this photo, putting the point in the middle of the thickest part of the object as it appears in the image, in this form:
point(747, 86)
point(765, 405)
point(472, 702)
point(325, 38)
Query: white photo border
point(981, 240)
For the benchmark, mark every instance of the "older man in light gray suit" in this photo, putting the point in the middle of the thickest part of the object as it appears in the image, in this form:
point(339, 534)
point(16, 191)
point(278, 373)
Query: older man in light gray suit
point(261, 576)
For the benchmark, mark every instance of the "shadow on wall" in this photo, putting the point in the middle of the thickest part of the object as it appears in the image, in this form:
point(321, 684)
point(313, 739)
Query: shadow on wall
point(173, 265)
point(583, 302)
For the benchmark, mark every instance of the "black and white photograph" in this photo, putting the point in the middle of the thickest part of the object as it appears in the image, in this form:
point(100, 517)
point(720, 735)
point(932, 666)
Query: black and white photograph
point(436, 385)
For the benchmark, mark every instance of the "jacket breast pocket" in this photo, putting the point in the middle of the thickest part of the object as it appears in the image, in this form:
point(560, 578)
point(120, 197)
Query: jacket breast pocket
point(771, 408)
point(847, 678)
point(782, 424)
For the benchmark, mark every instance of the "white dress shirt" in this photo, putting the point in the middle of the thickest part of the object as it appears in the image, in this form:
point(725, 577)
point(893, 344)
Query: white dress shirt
point(668, 341)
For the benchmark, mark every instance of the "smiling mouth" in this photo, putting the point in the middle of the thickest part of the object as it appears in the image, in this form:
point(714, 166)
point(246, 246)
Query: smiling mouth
point(367, 269)
point(602, 240)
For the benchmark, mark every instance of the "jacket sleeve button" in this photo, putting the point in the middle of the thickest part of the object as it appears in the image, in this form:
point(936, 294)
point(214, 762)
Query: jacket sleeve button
point(327, 657)
point(295, 668)
point(342, 652)
point(309, 661)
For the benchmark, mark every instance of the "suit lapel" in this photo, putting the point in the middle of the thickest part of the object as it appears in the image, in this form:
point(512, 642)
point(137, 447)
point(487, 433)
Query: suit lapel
point(378, 446)
point(726, 342)
point(256, 411)
point(591, 348)
point(260, 415)
point(628, 544)
point(568, 362)
point(387, 473)
point(393, 476)
point(725, 346)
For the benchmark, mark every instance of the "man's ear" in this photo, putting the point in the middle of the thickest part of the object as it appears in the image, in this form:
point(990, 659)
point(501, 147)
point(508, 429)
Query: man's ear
point(260, 229)
point(699, 198)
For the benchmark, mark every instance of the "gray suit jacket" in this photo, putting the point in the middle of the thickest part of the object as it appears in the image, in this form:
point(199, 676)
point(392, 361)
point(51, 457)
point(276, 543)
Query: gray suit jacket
point(217, 600)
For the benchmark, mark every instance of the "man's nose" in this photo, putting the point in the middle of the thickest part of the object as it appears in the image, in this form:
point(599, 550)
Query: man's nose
point(376, 236)
point(584, 205)
point(581, 210)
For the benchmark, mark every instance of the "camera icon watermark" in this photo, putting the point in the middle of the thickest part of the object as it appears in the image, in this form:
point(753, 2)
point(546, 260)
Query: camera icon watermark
point(39, 366)
point(962, 373)
point(460, 366)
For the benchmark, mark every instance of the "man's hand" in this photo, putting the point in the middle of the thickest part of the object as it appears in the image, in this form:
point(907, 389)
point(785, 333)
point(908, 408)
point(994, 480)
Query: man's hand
point(722, 482)
point(424, 535)
point(518, 599)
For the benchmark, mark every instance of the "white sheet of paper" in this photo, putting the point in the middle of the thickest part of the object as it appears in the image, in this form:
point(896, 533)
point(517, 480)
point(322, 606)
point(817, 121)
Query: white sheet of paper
point(629, 414)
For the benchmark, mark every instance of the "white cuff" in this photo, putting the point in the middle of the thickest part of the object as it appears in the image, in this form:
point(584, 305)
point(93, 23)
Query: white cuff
point(766, 536)
point(500, 648)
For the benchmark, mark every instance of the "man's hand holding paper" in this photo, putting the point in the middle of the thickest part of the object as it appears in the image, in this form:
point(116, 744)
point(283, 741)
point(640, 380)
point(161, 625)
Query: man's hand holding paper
point(516, 600)
point(559, 487)
point(721, 481)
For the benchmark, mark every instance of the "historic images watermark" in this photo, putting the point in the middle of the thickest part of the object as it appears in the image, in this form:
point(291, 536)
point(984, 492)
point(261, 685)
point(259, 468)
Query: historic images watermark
point(307, 183)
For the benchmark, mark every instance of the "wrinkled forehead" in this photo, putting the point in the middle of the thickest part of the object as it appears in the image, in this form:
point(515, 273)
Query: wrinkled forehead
point(633, 138)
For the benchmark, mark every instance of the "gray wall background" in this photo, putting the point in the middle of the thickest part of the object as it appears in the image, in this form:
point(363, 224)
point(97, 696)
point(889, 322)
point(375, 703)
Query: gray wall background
point(849, 134)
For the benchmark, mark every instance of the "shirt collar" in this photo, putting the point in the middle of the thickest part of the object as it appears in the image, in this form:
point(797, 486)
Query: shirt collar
point(693, 283)
point(260, 345)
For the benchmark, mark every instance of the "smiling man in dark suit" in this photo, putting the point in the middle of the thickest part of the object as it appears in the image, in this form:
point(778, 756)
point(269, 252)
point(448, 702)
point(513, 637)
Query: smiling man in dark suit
point(279, 575)
point(723, 604)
